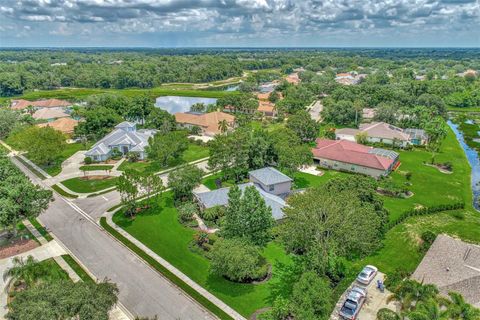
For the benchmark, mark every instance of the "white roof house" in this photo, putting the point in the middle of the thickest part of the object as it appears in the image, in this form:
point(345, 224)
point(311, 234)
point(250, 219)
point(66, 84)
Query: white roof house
point(125, 138)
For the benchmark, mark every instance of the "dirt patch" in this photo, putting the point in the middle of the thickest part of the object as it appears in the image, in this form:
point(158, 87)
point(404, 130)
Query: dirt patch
point(19, 246)
point(267, 277)
point(96, 177)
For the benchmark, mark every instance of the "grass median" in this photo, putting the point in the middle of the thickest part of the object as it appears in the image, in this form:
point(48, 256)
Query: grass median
point(165, 272)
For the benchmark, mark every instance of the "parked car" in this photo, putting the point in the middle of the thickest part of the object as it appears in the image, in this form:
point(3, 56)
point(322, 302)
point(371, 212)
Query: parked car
point(367, 275)
point(353, 303)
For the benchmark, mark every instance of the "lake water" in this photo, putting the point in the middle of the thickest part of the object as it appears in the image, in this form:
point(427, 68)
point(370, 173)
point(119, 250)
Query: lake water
point(174, 104)
point(472, 156)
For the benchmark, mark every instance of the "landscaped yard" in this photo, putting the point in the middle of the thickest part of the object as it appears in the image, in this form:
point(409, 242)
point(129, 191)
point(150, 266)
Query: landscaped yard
point(82, 185)
point(160, 230)
point(194, 152)
point(96, 167)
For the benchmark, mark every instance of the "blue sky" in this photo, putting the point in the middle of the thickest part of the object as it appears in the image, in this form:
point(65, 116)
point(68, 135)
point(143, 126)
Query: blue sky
point(237, 23)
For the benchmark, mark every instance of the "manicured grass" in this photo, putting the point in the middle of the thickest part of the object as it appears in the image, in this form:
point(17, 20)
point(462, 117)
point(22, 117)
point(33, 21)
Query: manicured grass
point(209, 181)
point(194, 152)
point(165, 272)
point(41, 229)
point(87, 186)
point(55, 271)
point(63, 192)
point(172, 243)
point(77, 268)
point(305, 180)
point(96, 167)
point(32, 169)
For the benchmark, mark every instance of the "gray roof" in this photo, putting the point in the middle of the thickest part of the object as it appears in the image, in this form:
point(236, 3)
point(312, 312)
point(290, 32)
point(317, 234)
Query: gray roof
point(452, 265)
point(384, 153)
point(219, 197)
point(137, 140)
point(269, 176)
point(125, 124)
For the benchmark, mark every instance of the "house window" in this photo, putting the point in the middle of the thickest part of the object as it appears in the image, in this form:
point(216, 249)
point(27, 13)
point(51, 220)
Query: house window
point(271, 187)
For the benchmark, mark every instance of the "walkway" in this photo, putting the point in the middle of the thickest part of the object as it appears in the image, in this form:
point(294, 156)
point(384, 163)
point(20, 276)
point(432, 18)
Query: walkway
point(220, 304)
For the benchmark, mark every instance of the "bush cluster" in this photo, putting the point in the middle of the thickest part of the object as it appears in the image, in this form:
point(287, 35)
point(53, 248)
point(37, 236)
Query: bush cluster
point(426, 210)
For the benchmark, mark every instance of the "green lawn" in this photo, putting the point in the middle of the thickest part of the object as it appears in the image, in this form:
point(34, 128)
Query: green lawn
point(40, 229)
point(96, 167)
point(77, 268)
point(194, 152)
point(82, 93)
point(160, 230)
point(209, 181)
point(86, 186)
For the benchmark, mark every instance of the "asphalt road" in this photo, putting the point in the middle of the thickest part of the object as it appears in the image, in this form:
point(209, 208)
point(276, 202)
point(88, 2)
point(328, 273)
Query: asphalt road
point(143, 291)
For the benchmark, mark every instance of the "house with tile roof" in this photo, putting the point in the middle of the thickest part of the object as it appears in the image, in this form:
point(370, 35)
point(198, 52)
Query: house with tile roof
point(381, 132)
point(272, 185)
point(344, 155)
point(50, 114)
point(21, 104)
point(453, 266)
point(124, 138)
point(64, 125)
point(207, 122)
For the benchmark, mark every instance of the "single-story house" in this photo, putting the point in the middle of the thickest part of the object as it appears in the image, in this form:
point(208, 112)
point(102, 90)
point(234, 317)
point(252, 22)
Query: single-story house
point(21, 104)
point(349, 78)
point(293, 78)
point(124, 138)
point(453, 266)
point(381, 132)
point(64, 125)
point(207, 122)
point(272, 185)
point(344, 155)
point(50, 114)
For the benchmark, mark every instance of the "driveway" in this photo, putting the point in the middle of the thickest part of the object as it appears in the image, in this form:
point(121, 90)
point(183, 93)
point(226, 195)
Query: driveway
point(143, 291)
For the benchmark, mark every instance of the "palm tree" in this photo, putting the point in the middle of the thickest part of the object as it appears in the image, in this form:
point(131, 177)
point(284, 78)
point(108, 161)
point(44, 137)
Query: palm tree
point(409, 292)
point(458, 309)
point(427, 310)
point(223, 126)
point(27, 271)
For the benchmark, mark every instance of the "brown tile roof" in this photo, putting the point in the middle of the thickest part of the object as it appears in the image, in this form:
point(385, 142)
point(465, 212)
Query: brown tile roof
point(49, 113)
point(208, 121)
point(65, 125)
point(263, 96)
point(350, 152)
point(21, 104)
point(293, 78)
point(265, 106)
point(384, 130)
point(452, 265)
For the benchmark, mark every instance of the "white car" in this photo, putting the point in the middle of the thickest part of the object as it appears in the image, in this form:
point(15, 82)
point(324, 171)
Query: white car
point(353, 303)
point(367, 274)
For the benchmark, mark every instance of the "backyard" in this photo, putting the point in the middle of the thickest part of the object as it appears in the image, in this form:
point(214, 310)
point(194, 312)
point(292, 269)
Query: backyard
point(194, 152)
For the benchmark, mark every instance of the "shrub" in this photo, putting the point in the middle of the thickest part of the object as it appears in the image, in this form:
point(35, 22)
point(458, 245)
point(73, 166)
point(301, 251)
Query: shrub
point(116, 154)
point(213, 213)
point(408, 175)
point(458, 215)
point(133, 156)
point(387, 314)
point(186, 211)
point(237, 260)
point(201, 238)
point(427, 237)
point(393, 279)
point(88, 160)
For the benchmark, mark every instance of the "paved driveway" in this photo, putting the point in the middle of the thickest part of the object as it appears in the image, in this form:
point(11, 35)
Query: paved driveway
point(143, 291)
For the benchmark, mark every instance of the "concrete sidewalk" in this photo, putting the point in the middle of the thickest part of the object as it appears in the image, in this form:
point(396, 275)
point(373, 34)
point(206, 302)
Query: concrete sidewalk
point(220, 304)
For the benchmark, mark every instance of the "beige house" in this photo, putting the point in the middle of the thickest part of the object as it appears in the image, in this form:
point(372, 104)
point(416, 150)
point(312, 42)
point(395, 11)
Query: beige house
point(50, 114)
point(64, 125)
point(209, 123)
point(381, 132)
point(21, 104)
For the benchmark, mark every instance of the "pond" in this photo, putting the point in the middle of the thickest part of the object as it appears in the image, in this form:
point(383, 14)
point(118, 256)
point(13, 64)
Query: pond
point(472, 156)
point(174, 104)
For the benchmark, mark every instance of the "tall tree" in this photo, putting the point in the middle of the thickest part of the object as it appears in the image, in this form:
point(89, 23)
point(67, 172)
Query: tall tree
point(184, 180)
point(127, 186)
point(436, 130)
point(303, 125)
point(248, 217)
point(161, 120)
point(168, 147)
point(311, 297)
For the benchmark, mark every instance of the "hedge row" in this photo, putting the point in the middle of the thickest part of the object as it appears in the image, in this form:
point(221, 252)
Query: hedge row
point(426, 210)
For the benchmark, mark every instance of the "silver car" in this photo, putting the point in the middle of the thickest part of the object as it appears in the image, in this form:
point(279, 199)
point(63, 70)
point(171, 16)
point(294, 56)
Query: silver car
point(367, 274)
point(353, 303)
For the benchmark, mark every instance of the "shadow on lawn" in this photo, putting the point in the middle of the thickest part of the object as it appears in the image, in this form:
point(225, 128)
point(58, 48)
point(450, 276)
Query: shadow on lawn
point(226, 287)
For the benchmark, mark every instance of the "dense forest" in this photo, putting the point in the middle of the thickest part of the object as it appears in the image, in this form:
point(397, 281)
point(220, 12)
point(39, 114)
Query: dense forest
point(22, 70)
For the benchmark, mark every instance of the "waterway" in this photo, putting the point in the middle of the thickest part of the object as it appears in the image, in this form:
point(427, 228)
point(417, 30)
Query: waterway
point(473, 159)
point(174, 104)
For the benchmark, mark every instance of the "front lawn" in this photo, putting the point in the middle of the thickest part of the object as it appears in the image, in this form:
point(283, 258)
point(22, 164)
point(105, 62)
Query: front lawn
point(82, 185)
point(159, 229)
point(56, 167)
point(194, 152)
point(96, 167)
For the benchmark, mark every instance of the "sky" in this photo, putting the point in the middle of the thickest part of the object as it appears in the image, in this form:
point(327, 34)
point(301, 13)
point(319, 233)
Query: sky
point(240, 23)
